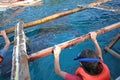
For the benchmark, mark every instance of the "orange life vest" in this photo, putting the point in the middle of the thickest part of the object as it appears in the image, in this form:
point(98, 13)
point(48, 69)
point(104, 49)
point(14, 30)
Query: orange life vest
point(104, 75)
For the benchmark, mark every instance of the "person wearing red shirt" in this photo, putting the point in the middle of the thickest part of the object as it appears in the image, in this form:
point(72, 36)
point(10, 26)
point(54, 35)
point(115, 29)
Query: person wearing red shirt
point(92, 65)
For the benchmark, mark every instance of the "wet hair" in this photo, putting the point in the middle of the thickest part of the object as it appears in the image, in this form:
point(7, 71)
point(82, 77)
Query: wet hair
point(90, 67)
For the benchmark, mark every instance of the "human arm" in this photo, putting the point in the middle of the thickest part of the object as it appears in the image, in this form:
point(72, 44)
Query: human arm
point(57, 51)
point(7, 41)
point(97, 47)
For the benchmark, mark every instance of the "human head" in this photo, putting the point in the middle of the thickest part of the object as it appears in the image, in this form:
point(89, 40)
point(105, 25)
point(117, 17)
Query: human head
point(87, 53)
point(88, 66)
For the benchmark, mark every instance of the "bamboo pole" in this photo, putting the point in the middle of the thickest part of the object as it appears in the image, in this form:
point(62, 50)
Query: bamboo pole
point(20, 69)
point(112, 43)
point(48, 51)
point(112, 52)
point(58, 15)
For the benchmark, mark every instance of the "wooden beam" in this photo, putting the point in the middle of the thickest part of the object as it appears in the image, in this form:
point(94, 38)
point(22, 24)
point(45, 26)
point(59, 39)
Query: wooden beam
point(48, 51)
point(57, 15)
point(20, 69)
point(112, 43)
point(112, 52)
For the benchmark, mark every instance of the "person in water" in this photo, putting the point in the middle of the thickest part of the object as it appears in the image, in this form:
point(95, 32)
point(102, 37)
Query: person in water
point(7, 44)
point(92, 65)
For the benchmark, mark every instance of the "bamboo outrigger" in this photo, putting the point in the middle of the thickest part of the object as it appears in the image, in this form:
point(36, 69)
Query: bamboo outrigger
point(20, 70)
point(58, 15)
point(72, 42)
point(108, 48)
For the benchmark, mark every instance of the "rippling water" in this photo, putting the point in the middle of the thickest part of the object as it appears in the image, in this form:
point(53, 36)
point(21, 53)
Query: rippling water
point(60, 30)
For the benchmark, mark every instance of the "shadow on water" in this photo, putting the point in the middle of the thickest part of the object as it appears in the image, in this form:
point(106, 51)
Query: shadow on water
point(43, 37)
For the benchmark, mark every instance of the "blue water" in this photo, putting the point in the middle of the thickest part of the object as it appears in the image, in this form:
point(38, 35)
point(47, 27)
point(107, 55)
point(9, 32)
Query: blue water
point(61, 30)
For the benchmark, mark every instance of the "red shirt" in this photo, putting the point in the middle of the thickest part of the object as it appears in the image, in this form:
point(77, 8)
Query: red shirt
point(105, 72)
point(72, 77)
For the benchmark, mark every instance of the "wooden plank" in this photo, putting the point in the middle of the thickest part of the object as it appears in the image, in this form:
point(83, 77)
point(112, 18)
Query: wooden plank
point(48, 51)
point(58, 15)
point(20, 69)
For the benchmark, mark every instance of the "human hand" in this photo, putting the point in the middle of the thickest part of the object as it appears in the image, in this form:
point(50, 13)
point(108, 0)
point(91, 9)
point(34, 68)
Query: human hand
point(57, 51)
point(93, 35)
point(2, 33)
